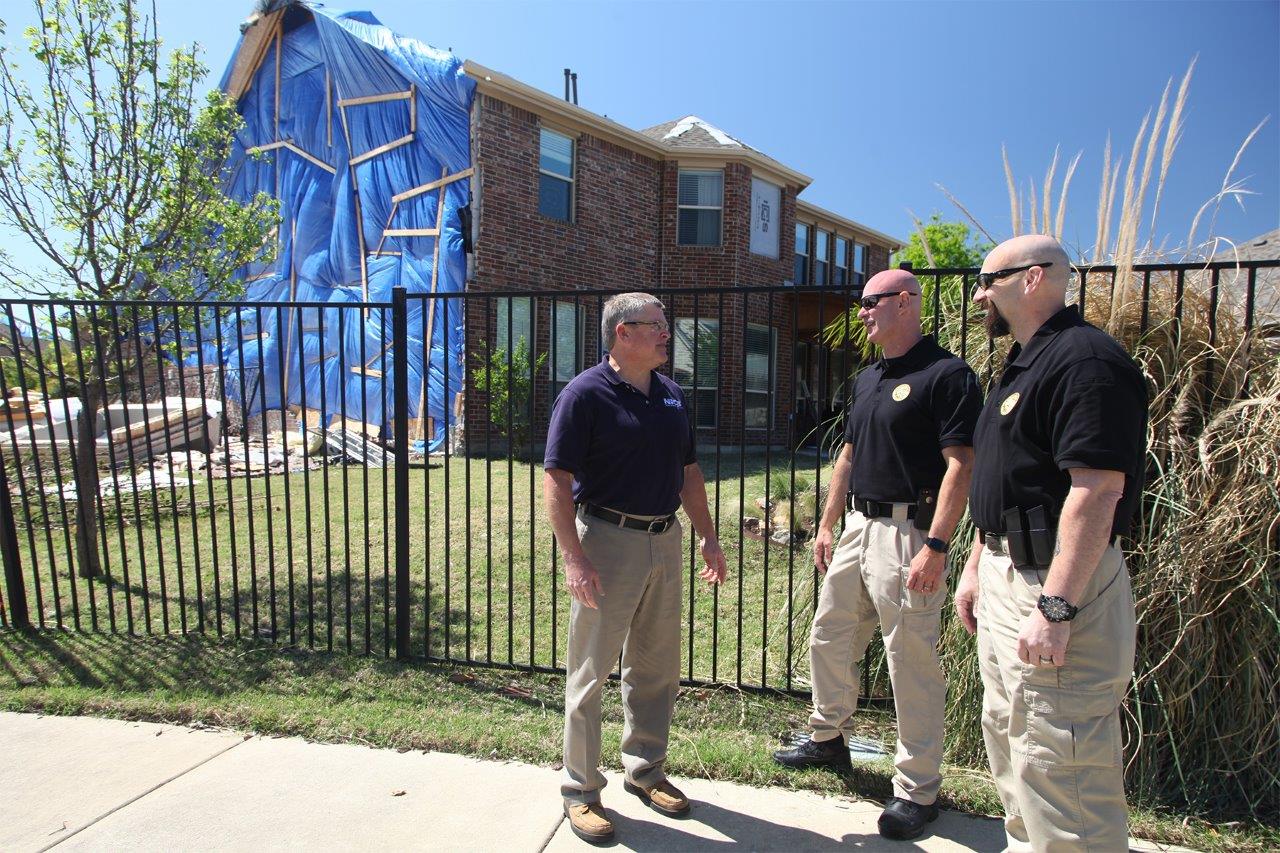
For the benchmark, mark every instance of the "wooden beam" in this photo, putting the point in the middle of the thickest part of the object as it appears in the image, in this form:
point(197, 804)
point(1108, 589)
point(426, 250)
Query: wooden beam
point(378, 251)
point(375, 99)
point(366, 371)
point(355, 192)
point(279, 45)
point(431, 315)
point(411, 232)
point(332, 170)
point(426, 188)
point(382, 149)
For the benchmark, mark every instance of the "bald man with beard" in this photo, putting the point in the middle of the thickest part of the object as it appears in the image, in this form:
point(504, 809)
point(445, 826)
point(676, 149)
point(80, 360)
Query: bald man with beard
point(899, 484)
point(1057, 479)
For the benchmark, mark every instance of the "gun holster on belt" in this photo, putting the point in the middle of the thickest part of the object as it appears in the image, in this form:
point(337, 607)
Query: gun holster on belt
point(926, 503)
point(1030, 537)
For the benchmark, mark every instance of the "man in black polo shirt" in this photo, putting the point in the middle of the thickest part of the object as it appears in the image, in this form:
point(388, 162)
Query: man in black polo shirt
point(902, 474)
point(1057, 478)
point(620, 449)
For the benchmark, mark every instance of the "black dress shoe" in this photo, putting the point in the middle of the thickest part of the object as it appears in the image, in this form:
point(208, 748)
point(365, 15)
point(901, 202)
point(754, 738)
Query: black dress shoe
point(813, 753)
point(902, 819)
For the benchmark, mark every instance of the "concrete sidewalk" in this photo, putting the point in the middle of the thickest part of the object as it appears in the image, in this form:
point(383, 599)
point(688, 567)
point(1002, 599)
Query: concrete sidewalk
point(78, 783)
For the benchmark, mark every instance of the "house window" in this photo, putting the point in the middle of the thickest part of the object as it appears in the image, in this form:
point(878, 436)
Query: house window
point(762, 367)
point(555, 176)
point(802, 254)
point(566, 344)
point(700, 202)
point(821, 246)
point(698, 376)
point(515, 323)
point(859, 265)
point(842, 262)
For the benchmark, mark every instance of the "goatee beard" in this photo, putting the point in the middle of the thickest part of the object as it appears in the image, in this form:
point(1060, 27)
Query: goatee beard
point(996, 324)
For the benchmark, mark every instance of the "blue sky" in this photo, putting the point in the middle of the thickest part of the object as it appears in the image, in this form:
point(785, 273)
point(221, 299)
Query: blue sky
point(878, 102)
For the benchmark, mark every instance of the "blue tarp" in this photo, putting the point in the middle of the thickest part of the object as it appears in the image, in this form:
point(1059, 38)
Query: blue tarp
point(277, 354)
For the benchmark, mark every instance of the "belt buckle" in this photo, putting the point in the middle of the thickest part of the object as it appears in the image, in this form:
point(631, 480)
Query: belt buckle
point(659, 525)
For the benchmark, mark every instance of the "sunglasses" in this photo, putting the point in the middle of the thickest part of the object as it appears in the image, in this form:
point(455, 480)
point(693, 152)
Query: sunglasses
point(986, 279)
point(869, 302)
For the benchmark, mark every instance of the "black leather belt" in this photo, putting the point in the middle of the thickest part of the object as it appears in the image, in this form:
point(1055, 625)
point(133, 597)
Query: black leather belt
point(1000, 541)
point(648, 525)
point(875, 509)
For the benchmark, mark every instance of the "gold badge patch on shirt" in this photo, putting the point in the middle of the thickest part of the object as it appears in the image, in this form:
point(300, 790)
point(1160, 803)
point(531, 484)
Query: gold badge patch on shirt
point(900, 393)
point(1009, 402)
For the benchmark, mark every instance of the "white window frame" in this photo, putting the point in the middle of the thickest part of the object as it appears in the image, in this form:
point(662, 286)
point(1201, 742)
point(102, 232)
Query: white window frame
point(771, 391)
point(836, 266)
point(720, 207)
point(821, 257)
point(556, 355)
point(704, 327)
point(859, 277)
point(505, 331)
point(806, 254)
point(570, 180)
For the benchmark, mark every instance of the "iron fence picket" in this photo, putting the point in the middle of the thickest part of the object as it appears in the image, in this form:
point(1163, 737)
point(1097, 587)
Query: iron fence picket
point(134, 354)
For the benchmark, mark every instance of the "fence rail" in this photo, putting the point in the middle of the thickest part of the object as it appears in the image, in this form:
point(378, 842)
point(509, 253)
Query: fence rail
point(274, 470)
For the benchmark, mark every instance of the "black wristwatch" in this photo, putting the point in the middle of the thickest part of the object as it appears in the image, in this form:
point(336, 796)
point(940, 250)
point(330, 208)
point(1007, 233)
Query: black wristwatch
point(1056, 609)
point(933, 543)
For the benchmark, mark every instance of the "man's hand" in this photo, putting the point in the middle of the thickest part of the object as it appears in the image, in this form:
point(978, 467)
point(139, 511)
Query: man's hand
point(926, 570)
point(583, 581)
point(966, 600)
point(823, 548)
point(1041, 642)
point(716, 567)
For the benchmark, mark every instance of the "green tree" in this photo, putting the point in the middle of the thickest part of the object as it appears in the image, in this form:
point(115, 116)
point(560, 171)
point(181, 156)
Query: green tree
point(113, 166)
point(942, 245)
point(509, 384)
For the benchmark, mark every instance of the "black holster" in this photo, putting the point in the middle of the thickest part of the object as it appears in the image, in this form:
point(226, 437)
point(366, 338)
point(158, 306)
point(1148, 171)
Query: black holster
point(926, 504)
point(1030, 537)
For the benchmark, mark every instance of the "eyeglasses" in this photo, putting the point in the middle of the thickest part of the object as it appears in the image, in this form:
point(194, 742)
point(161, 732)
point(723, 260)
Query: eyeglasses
point(659, 325)
point(869, 302)
point(986, 279)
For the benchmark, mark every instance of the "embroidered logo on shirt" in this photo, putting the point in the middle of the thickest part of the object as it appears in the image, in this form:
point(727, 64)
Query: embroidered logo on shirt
point(672, 402)
point(900, 393)
point(1009, 402)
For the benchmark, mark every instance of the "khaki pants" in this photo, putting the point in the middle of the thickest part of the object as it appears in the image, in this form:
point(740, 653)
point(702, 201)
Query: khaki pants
point(639, 618)
point(866, 584)
point(1053, 734)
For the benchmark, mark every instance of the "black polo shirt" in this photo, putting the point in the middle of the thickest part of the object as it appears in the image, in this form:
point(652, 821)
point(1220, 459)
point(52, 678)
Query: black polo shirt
point(904, 411)
point(1071, 398)
point(626, 450)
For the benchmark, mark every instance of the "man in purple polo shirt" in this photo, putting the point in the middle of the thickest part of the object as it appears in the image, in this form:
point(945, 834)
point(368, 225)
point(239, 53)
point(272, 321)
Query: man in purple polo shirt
point(619, 461)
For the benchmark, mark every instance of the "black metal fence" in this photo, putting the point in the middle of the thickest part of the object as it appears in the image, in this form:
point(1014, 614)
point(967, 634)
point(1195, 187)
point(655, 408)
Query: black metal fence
point(223, 468)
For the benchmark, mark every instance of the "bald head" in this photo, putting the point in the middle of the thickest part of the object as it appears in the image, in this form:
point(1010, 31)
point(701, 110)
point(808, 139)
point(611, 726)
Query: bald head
point(891, 281)
point(1033, 249)
point(1033, 288)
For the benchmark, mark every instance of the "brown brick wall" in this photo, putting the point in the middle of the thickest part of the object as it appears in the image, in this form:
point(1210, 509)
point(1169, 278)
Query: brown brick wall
point(623, 236)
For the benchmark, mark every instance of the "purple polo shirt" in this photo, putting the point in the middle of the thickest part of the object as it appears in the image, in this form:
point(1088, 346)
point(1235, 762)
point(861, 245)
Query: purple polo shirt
point(626, 450)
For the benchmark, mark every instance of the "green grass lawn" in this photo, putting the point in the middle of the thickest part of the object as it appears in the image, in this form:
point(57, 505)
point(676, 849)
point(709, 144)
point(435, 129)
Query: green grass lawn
point(308, 559)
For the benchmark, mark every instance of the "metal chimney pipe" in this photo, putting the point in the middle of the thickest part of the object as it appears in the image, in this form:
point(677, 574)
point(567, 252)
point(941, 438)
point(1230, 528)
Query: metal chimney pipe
point(575, 88)
point(566, 84)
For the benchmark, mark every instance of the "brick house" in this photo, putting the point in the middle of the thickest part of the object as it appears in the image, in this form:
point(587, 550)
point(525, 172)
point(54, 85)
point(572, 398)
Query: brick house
point(567, 200)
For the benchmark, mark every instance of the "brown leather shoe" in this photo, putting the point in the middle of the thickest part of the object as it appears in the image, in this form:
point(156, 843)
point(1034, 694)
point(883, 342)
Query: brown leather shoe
point(663, 797)
point(588, 822)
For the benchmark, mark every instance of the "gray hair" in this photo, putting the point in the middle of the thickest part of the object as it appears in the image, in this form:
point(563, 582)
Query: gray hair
point(619, 309)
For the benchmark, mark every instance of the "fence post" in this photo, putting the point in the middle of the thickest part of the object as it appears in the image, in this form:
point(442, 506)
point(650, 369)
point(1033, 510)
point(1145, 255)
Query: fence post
point(400, 404)
point(15, 589)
